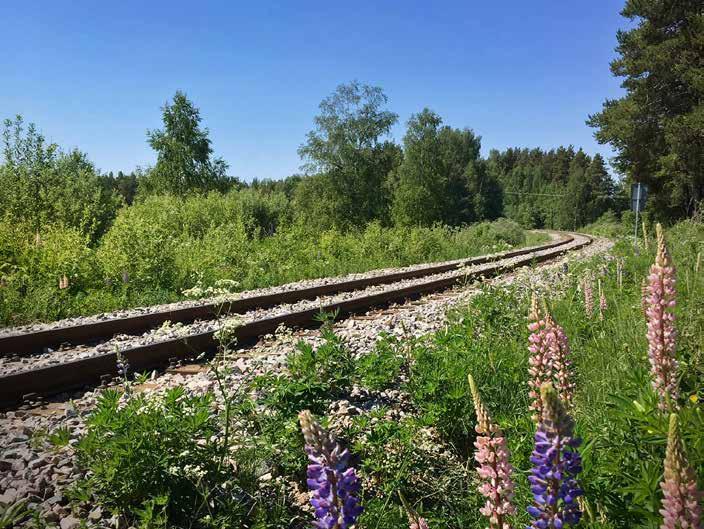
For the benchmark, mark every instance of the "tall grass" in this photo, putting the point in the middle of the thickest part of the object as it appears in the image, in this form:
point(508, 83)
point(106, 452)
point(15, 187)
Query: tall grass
point(159, 249)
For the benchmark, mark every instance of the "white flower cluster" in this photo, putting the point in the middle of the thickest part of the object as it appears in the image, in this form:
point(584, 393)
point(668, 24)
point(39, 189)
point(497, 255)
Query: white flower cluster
point(222, 287)
point(192, 472)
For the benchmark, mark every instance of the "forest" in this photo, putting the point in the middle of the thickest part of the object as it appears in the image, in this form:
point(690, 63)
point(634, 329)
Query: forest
point(75, 240)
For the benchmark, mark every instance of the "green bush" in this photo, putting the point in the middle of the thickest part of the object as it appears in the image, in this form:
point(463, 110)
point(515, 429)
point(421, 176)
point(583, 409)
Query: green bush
point(380, 368)
point(158, 459)
point(139, 250)
point(163, 246)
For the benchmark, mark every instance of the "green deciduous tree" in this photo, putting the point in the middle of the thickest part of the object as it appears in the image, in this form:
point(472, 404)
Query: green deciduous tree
point(184, 153)
point(657, 128)
point(40, 184)
point(347, 149)
point(441, 178)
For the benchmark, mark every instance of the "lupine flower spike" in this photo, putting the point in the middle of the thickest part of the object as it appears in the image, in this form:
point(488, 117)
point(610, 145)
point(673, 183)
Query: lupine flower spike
point(619, 273)
point(645, 237)
point(333, 485)
point(556, 464)
point(494, 468)
point(415, 521)
point(602, 302)
point(562, 373)
point(660, 301)
point(588, 295)
point(681, 503)
point(540, 362)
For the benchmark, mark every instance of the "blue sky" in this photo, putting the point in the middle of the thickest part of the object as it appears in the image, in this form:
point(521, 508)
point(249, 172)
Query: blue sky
point(94, 75)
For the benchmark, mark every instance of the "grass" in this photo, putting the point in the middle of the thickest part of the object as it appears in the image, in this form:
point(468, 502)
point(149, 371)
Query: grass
point(412, 425)
point(150, 257)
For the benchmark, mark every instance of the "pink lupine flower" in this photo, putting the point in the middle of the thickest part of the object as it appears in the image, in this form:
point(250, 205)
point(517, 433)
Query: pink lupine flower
point(660, 301)
point(494, 468)
point(560, 355)
point(419, 523)
point(602, 302)
point(588, 295)
point(681, 503)
point(540, 361)
point(415, 521)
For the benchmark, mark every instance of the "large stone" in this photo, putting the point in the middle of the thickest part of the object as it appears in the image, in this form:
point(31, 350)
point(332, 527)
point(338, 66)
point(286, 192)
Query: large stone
point(8, 497)
point(96, 514)
point(36, 463)
point(56, 499)
point(70, 522)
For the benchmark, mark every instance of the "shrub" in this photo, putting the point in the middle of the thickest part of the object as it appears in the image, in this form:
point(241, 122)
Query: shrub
point(380, 368)
point(159, 458)
point(141, 247)
point(313, 378)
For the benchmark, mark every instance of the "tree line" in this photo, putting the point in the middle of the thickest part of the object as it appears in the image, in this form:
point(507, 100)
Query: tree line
point(353, 173)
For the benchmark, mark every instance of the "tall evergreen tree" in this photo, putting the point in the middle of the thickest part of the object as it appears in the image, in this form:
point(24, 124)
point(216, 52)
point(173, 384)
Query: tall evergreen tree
point(184, 153)
point(657, 128)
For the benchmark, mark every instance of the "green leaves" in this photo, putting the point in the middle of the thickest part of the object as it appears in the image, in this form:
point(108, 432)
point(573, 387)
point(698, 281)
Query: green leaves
point(351, 160)
point(157, 458)
point(437, 174)
point(184, 162)
point(40, 184)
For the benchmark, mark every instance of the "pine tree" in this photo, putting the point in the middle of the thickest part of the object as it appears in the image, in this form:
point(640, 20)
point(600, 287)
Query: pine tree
point(657, 128)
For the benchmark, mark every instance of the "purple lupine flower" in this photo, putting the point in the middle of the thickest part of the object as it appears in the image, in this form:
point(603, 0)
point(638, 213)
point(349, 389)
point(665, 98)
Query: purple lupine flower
point(540, 361)
point(660, 300)
point(494, 468)
point(681, 502)
point(561, 361)
point(556, 464)
point(333, 485)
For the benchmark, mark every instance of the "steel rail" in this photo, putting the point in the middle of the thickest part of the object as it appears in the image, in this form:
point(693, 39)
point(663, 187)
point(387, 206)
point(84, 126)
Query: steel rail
point(81, 333)
point(88, 371)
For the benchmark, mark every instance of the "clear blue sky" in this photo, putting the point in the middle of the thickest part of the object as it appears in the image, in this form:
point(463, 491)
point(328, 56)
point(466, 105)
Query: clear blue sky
point(94, 75)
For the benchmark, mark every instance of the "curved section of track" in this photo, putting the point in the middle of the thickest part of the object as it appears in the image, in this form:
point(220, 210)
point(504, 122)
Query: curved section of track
point(64, 376)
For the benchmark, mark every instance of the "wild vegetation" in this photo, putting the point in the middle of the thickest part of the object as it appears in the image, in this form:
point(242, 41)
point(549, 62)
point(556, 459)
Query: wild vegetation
point(76, 242)
point(418, 419)
point(165, 248)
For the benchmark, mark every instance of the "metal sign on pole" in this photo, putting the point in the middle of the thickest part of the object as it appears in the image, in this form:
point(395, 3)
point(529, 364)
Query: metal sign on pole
point(639, 195)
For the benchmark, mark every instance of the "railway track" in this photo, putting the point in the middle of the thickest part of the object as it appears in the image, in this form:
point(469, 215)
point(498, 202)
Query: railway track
point(42, 381)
